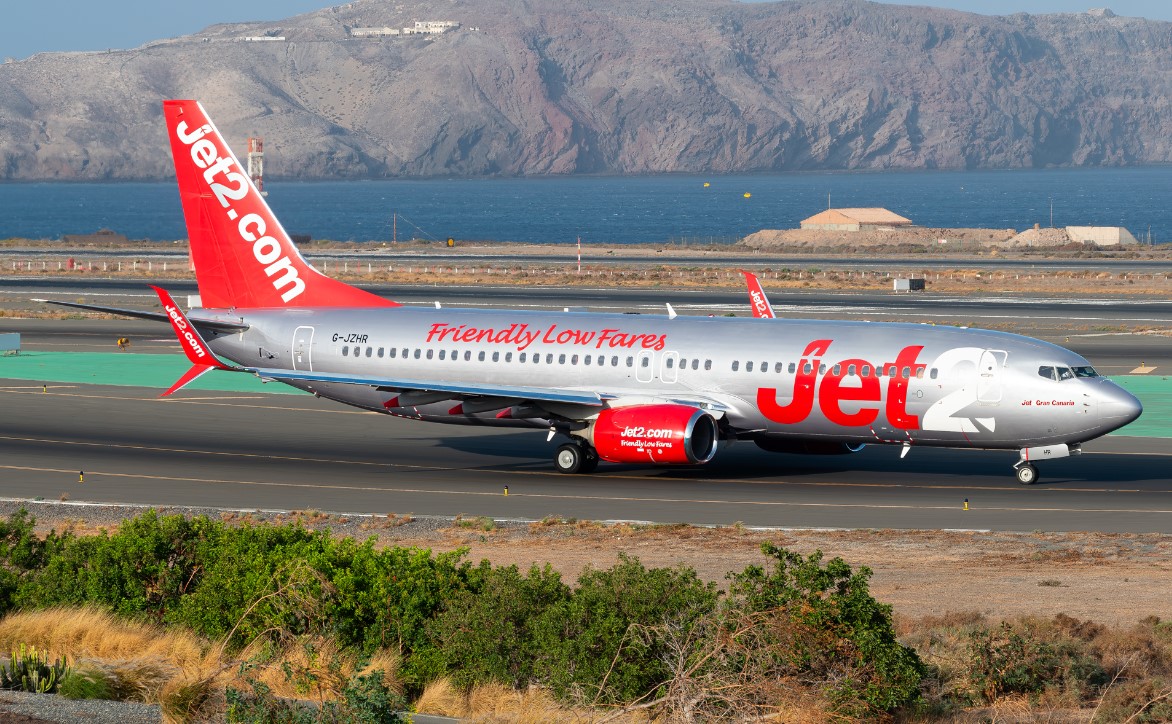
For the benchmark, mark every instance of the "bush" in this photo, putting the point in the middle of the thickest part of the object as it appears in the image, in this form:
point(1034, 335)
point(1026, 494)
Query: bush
point(602, 643)
point(1028, 661)
point(821, 623)
point(487, 634)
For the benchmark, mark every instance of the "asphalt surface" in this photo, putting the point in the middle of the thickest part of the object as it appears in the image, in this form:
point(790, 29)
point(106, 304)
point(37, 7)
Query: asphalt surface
point(284, 452)
point(297, 452)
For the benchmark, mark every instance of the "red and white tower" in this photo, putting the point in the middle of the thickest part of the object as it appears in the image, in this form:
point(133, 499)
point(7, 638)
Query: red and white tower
point(256, 163)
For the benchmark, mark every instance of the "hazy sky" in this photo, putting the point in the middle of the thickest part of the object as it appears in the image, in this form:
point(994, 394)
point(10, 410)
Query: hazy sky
point(32, 27)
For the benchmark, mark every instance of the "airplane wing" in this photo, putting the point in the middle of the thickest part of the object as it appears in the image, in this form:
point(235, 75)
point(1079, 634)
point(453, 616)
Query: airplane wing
point(757, 299)
point(456, 390)
point(217, 326)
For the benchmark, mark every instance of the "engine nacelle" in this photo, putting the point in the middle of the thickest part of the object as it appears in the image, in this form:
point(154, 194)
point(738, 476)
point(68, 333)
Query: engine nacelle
point(808, 447)
point(659, 434)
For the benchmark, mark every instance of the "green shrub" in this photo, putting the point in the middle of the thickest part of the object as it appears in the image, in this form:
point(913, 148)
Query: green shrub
point(602, 643)
point(821, 623)
point(487, 634)
point(1028, 661)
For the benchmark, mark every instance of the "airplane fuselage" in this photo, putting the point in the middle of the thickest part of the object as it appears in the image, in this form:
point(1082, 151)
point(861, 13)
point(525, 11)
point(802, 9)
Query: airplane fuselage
point(837, 381)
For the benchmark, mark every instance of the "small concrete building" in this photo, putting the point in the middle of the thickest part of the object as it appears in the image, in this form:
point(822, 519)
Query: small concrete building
point(855, 220)
point(1101, 235)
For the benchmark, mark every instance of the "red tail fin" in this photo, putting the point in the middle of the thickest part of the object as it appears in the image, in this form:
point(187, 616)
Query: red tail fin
point(243, 258)
point(757, 299)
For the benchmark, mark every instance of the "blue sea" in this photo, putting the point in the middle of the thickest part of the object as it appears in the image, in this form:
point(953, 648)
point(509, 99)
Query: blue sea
point(667, 208)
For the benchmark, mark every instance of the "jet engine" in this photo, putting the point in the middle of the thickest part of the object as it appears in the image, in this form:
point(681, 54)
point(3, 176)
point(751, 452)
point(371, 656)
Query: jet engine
point(661, 434)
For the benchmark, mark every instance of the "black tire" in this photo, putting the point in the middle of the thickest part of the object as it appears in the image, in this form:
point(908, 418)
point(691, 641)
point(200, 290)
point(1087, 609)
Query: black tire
point(569, 459)
point(1027, 474)
point(589, 460)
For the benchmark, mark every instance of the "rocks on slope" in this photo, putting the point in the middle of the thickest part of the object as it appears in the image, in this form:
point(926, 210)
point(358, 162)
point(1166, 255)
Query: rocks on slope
point(548, 87)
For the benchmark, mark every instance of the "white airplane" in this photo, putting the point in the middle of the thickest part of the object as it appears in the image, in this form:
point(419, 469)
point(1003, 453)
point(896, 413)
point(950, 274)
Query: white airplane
point(649, 389)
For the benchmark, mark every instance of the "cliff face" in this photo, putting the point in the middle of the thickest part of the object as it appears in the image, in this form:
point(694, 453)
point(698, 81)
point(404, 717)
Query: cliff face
point(639, 86)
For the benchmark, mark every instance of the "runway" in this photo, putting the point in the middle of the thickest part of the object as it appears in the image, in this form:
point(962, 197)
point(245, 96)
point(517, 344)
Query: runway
point(297, 452)
point(248, 451)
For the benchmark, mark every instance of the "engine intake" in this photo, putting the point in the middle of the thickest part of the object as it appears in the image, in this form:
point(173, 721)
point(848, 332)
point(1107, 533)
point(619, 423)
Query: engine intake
point(660, 434)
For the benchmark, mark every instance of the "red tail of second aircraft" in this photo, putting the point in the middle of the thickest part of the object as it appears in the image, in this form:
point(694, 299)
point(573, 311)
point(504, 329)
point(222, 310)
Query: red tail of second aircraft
point(243, 257)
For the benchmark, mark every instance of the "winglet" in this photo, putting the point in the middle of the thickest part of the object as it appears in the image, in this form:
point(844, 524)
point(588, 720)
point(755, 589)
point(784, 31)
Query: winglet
point(757, 299)
point(197, 350)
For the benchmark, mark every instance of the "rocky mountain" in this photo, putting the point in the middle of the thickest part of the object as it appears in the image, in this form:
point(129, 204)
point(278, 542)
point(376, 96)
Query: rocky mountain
point(611, 86)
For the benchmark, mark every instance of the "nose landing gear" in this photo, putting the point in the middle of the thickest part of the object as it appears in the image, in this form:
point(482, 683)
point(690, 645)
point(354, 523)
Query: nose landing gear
point(1024, 469)
point(1026, 474)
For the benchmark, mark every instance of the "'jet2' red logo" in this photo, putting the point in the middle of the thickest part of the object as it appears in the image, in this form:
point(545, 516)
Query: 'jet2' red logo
point(831, 393)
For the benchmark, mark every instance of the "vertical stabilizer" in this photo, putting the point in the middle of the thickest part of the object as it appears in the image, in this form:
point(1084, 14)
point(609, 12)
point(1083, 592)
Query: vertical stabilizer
point(243, 257)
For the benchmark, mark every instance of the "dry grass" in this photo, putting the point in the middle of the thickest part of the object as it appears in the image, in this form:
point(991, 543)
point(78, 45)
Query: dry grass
point(315, 668)
point(442, 698)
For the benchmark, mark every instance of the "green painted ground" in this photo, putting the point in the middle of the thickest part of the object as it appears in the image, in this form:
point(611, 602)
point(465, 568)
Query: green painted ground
point(1156, 395)
point(126, 369)
point(161, 370)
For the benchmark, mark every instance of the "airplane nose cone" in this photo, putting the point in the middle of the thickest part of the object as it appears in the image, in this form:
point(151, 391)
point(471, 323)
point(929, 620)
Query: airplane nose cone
point(1117, 406)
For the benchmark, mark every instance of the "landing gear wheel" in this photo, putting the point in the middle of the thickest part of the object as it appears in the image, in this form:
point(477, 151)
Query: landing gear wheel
point(1027, 474)
point(569, 459)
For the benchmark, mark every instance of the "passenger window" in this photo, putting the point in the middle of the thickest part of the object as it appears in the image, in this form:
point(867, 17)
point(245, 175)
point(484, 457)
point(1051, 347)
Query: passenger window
point(793, 367)
point(764, 366)
point(707, 364)
point(370, 351)
point(735, 365)
point(345, 351)
point(508, 356)
point(822, 369)
point(405, 352)
point(549, 358)
point(614, 361)
point(778, 367)
point(919, 373)
point(480, 357)
point(683, 364)
point(561, 359)
point(586, 359)
point(748, 366)
point(443, 353)
point(417, 354)
point(574, 360)
point(646, 361)
point(630, 361)
point(866, 370)
point(380, 352)
point(394, 352)
point(836, 371)
point(933, 373)
point(850, 370)
point(429, 354)
point(602, 360)
point(807, 368)
point(496, 356)
point(467, 355)
point(906, 372)
point(521, 358)
point(695, 364)
point(669, 362)
point(455, 355)
point(1047, 372)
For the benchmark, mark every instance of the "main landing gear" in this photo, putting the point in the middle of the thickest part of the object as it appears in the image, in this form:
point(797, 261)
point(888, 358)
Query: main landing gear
point(576, 458)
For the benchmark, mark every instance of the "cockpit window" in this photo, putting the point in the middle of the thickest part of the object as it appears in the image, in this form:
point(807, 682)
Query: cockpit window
point(1048, 372)
point(1086, 371)
point(1064, 373)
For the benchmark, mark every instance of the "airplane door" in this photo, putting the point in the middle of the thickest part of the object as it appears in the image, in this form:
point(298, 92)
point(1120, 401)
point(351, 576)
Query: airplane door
point(644, 370)
point(668, 366)
point(989, 376)
point(303, 349)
